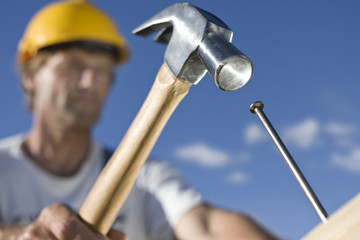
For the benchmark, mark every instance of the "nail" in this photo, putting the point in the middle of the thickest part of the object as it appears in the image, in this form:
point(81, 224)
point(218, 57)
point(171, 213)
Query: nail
point(257, 108)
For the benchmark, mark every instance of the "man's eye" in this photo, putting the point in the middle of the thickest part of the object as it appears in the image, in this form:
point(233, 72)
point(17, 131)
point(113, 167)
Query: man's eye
point(104, 72)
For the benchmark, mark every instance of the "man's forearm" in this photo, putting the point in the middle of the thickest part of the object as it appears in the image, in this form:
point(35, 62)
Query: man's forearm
point(11, 233)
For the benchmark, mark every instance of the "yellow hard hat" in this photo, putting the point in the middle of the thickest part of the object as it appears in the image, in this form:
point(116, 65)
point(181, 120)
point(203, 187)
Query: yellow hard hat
point(68, 21)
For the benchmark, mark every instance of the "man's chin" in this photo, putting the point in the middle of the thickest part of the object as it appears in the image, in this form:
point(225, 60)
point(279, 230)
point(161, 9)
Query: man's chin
point(82, 126)
point(82, 122)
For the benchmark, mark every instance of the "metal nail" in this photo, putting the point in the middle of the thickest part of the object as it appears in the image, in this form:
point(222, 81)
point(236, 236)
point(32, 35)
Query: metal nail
point(257, 108)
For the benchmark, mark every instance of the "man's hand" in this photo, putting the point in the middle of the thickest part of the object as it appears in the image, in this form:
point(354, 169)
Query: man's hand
point(58, 222)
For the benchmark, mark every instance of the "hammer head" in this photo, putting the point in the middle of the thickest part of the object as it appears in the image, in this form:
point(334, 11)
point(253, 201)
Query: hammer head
point(198, 41)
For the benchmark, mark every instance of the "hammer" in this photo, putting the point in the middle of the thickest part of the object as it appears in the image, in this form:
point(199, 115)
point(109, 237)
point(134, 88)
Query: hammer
point(197, 41)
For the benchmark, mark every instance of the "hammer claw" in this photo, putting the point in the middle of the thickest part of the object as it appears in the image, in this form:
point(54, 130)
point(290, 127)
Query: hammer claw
point(164, 35)
point(150, 27)
point(163, 19)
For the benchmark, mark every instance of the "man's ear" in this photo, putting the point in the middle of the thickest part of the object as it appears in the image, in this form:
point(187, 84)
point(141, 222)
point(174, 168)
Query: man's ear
point(28, 83)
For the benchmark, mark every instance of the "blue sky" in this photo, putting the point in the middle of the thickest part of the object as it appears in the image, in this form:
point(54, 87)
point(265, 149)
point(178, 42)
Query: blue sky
point(306, 71)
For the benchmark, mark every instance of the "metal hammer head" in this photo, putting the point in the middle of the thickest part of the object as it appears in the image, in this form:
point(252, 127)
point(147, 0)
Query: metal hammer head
point(198, 41)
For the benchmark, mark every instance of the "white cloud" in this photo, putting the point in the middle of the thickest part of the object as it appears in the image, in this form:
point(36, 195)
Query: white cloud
point(237, 177)
point(342, 134)
point(310, 132)
point(340, 129)
point(254, 134)
point(203, 155)
point(242, 157)
point(345, 142)
point(304, 134)
point(350, 162)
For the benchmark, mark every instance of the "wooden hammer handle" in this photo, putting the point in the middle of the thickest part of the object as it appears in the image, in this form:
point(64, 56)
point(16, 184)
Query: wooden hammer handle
point(117, 178)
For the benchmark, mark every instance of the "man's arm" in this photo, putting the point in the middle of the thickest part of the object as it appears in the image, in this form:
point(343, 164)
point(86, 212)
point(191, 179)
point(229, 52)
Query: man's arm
point(56, 222)
point(208, 223)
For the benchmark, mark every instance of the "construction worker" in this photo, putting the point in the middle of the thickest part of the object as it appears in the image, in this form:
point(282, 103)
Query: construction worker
point(67, 58)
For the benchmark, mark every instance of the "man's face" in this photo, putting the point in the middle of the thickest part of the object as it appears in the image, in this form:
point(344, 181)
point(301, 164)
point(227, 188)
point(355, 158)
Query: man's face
point(70, 88)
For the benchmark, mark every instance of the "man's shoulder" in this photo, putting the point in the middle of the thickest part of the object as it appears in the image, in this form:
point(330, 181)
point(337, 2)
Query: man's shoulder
point(156, 172)
point(11, 142)
point(10, 153)
point(153, 172)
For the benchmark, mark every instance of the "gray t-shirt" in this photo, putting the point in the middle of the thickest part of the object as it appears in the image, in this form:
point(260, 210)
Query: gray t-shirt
point(159, 198)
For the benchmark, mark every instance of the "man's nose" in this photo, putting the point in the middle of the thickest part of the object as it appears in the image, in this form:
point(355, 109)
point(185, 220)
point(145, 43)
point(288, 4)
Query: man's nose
point(87, 78)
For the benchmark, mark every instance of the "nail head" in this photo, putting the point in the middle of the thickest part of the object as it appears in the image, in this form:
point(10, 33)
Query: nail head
point(255, 105)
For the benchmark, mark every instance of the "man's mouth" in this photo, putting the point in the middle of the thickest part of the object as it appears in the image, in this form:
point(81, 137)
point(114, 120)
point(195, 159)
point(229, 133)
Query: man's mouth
point(86, 100)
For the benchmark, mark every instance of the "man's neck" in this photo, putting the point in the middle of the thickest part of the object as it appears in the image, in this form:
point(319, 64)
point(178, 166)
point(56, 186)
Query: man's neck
point(60, 153)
